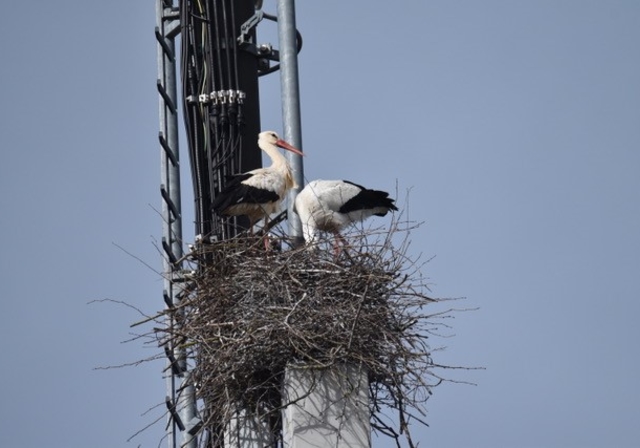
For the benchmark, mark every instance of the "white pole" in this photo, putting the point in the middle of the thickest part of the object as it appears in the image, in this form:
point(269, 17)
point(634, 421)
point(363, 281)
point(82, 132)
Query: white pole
point(328, 408)
point(245, 431)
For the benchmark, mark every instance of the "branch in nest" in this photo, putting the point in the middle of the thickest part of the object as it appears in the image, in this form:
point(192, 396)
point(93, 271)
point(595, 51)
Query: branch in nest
point(252, 312)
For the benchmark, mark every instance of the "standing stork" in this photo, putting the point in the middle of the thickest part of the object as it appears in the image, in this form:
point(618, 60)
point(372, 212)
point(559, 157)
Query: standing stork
point(258, 193)
point(331, 205)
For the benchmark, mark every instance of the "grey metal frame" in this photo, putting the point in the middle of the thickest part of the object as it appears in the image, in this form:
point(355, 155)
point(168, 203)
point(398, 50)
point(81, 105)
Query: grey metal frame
point(180, 394)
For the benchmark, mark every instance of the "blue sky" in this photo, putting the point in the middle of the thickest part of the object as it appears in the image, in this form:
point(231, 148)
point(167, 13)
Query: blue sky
point(514, 124)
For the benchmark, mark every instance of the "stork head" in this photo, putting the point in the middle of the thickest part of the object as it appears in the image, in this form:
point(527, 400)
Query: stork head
point(270, 139)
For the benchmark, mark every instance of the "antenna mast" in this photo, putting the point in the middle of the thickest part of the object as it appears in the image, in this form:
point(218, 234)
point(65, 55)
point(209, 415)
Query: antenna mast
point(219, 73)
point(220, 64)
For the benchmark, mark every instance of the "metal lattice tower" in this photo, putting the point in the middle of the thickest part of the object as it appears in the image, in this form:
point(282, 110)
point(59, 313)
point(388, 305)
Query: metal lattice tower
point(180, 398)
point(220, 63)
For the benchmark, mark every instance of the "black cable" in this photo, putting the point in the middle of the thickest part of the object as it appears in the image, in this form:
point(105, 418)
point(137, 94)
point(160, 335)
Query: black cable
point(193, 64)
point(234, 41)
point(197, 50)
point(187, 77)
point(232, 79)
point(214, 24)
point(213, 122)
point(227, 41)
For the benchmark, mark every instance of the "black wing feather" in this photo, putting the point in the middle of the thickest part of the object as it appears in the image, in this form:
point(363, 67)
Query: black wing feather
point(367, 199)
point(235, 192)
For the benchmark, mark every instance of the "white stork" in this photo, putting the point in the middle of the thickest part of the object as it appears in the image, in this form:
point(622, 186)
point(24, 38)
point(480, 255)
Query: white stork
point(258, 193)
point(331, 205)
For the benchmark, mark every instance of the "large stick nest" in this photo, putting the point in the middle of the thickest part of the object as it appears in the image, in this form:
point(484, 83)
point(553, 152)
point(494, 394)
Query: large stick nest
point(250, 312)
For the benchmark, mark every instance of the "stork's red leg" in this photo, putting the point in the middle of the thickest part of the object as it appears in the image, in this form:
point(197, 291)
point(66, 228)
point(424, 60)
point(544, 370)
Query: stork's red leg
point(266, 233)
point(339, 239)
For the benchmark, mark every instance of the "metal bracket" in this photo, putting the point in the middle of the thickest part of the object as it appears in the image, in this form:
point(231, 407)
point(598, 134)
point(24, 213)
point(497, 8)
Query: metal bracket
point(223, 97)
point(171, 407)
point(246, 27)
point(175, 365)
point(194, 425)
point(171, 22)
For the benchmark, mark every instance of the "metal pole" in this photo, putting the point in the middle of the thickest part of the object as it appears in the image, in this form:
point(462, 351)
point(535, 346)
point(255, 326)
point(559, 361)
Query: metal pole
point(182, 395)
point(164, 161)
point(290, 102)
point(325, 416)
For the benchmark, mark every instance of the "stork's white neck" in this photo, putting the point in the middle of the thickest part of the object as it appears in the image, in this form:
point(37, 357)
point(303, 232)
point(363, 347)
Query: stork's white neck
point(279, 163)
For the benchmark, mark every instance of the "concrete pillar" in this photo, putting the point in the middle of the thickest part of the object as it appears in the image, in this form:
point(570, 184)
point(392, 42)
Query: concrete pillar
point(330, 408)
point(247, 432)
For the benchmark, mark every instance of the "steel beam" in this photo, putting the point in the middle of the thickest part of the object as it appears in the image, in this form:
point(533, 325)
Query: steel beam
point(289, 86)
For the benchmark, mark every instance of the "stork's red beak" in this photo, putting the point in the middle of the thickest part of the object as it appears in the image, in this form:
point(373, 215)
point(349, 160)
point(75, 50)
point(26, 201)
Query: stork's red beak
point(281, 143)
